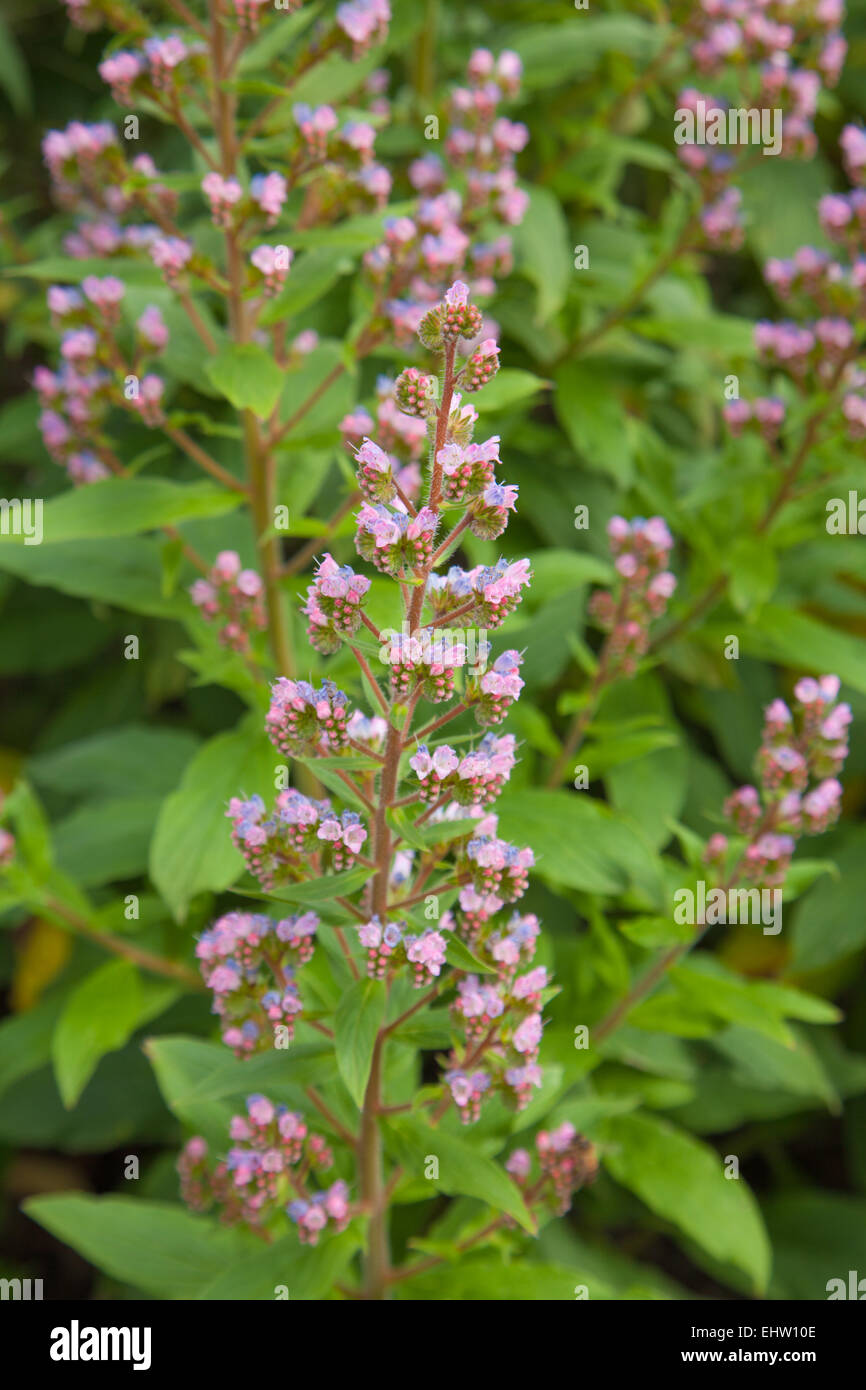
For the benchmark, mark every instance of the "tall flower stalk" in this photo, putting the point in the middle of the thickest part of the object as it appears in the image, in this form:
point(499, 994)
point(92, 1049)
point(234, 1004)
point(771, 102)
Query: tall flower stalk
point(422, 880)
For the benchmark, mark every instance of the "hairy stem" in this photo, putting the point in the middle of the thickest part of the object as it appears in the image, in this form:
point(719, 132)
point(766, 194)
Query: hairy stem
point(371, 1180)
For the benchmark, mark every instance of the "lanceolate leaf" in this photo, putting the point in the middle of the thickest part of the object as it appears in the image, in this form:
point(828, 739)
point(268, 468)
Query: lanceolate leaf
point(359, 1017)
point(684, 1182)
point(191, 848)
point(153, 1246)
point(247, 376)
point(460, 1167)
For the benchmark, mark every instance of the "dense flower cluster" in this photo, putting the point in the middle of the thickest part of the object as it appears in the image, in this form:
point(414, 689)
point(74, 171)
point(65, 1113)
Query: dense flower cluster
point(269, 1168)
point(429, 659)
point(482, 597)
point(422, 253)
point(389, 946)
point(495, 866)
point(818, 347)
point(299, 836)
point(777, 56)
point(567, 1162)
point(231, 598)
point(500, 1015)
point(424, 483)
point(396, 542)
point(798, 793)
point(393, 462)
point(96, 345)
point(475, 779)
point(641, 550)
point(303, 721)
point(333, 606)
point(249, 962)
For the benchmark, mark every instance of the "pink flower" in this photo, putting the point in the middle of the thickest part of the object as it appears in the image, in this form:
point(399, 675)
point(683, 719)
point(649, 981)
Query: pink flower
point(270, 192)
point(152, 327)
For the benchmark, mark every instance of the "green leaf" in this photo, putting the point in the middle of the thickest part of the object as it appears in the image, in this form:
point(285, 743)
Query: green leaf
point(554, 53)
point(715, 334)
point(14, 77)
point(556, 571)
point(262, 52)
point(683, 1181)
point(507, 388)
point(804, 643)
point(121, 1105)
point(25, 1041)
point(782, 198)
point(100, 1015)
point(312, 276)
point(107, 840)
point(124, 573)
point(830, 922)
point(68, 270)
point(651, 789)
point(651, 932)
point(152, 759)
point(544, 251)
point(589, 405)
point(655, 1053)
point(152, 1245)
point(705, 973)
point(248, 377)
point(463, 1171)
point(191, 849)
point(307, 1274)
point(127, 506)
point(353, 233)
point(203, 1084)
point(321, 890)
point(334, 79)
point(445, 832)
point(32, 831)
point(318, 424)
point(424, 837)
point(769, 1065)
point(578, 842)
point(753, 571)
point(496, 1278)
point(603, 755)
point(401, 821)
point(817, 1237)
point(359, 1017)
point(460, 956)
point(710, 987)
point(804, 872)
point(425, 1031)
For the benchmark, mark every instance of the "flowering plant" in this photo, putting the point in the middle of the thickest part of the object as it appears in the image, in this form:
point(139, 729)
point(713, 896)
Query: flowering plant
point(409, 865)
